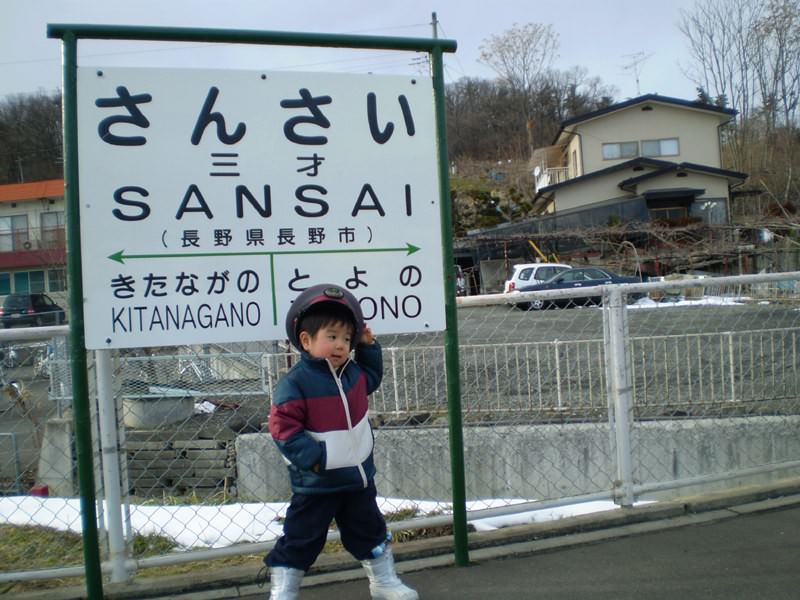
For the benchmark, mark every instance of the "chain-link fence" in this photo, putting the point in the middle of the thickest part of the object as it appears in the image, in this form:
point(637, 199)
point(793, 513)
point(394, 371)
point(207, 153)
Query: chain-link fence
point(621, 393)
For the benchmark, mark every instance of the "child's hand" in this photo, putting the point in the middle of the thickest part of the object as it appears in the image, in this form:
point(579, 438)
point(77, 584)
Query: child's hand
point(367, 337)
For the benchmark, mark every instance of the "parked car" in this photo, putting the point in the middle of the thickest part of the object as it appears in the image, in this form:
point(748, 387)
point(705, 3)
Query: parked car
point(24, 310)
point(531, 273)
point(576, 278)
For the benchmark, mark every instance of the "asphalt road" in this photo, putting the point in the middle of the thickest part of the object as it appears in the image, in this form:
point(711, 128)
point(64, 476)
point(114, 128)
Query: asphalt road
point(505, 324)
point(495, 324)
point(750, 557)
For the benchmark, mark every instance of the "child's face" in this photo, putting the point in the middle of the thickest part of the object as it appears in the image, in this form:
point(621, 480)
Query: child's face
point(332, 342)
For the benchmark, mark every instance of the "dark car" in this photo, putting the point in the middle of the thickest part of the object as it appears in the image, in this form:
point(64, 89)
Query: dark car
point(575, 278)
point(24, 310)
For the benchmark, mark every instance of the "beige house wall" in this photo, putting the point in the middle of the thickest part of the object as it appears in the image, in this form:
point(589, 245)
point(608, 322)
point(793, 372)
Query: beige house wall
point(574, 150)
point(606, 187)
point(715, 187)
point(589, 192)
point(697, 133)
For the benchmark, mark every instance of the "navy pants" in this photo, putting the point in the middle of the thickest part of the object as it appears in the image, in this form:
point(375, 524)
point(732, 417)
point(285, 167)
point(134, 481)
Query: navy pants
point(357, 516)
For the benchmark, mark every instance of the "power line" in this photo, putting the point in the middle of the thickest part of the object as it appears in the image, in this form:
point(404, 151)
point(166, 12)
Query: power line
point(454, 55)
point(178, 46)
point(372, 30)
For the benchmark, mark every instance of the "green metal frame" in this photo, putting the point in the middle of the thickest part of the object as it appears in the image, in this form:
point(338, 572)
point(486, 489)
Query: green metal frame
point(70, 34)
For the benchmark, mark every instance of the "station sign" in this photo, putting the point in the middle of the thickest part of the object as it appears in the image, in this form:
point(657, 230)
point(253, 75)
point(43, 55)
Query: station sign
point(209, 199)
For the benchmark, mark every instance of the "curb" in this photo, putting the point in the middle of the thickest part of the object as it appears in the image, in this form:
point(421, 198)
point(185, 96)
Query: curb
point(520, 540)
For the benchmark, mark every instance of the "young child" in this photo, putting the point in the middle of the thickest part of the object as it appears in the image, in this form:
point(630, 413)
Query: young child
point(319, 421)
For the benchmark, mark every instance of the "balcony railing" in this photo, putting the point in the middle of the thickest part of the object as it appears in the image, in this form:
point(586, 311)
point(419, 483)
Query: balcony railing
point(551, 176)
point(32, 238)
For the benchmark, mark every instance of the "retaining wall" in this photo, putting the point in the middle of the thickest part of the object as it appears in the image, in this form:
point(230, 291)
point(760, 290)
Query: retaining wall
point(544, 461)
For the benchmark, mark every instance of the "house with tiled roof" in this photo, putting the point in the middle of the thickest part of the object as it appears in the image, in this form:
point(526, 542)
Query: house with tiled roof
point(651, 158)
point(32, 238)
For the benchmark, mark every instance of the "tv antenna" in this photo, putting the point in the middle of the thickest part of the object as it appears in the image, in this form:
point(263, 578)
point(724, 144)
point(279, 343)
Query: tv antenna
point(635, 65)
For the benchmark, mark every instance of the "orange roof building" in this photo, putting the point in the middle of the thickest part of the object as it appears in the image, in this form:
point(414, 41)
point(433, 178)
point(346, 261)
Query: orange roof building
point(19, 192)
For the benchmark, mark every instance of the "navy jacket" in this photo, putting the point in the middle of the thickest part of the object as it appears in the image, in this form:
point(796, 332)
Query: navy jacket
point(320, 417)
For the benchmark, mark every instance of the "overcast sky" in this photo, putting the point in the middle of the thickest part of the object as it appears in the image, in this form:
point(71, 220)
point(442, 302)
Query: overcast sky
point(603, 36)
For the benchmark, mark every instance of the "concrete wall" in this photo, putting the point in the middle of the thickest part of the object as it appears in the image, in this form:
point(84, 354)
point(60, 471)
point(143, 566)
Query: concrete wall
point(57, 459)
point(542, 461)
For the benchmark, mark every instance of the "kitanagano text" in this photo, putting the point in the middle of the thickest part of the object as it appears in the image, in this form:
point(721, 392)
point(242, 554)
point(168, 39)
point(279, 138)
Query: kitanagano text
point(178, 317)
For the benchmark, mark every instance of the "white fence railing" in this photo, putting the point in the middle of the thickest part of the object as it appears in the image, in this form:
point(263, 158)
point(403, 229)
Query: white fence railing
point(677, 371)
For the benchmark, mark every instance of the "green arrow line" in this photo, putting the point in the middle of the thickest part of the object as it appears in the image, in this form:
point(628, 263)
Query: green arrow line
point(121, 257)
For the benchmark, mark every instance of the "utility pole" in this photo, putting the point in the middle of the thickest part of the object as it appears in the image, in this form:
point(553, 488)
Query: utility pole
point(423, 62)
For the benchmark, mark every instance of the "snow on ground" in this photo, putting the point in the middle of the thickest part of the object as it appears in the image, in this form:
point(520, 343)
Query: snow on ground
point(670, 302)
point(201, 526)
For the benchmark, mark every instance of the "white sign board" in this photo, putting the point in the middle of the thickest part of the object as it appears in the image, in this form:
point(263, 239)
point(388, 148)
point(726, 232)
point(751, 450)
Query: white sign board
point(209, 199)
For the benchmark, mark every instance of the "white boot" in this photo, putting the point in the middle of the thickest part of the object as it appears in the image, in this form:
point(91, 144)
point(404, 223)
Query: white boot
point(285, 583)
point(384, 584)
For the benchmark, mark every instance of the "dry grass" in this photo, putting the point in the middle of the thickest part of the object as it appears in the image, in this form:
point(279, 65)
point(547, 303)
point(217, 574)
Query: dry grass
point(28, 547)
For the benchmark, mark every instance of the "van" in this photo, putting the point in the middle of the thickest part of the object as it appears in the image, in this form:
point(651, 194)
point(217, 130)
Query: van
point(532, 273)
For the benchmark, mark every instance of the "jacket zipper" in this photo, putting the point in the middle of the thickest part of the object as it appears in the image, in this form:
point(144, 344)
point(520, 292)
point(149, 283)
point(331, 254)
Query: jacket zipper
point(343, 396)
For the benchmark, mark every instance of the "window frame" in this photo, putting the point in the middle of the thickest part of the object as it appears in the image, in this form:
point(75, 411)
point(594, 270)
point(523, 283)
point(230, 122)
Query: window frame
point(660, 142)
point(56, 280)
point(620, 145)
point(666, 210)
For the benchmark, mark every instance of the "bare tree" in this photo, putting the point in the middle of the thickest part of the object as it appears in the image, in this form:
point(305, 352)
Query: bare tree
point(722, 35)
point(30, 137)
point(520, 56)
point(776, 61)
point(746, 53)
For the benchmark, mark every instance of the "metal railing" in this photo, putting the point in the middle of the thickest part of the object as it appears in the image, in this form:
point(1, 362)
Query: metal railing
point(674, 371)
point(552, 176)
point(32, 238)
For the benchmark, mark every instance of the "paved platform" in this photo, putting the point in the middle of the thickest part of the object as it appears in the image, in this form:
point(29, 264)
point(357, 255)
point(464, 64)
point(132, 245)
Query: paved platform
point(739, 544)
point(722, 555)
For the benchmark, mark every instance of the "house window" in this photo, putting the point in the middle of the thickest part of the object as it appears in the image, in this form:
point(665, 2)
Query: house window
point(36, 279)
point(620, 150)
point(21, 283)
point(13, 232)
point(673, 215)
point(52, 224)
point(665, 147)
point(57, 280)
point(31, 282)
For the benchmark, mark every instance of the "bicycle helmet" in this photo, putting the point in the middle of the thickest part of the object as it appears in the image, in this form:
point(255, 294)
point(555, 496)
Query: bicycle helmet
point(323, 292)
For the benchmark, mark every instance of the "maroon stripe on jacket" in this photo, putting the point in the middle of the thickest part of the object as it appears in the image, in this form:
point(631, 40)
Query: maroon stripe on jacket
point(325, 413)
point(287, 419)
point(319, 414)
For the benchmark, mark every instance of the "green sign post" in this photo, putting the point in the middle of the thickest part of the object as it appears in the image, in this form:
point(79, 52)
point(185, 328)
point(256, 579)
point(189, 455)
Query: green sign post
point(70, 34)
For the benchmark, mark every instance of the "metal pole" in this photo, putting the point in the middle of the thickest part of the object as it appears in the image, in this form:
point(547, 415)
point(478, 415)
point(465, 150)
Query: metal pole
point(451, 320)
point(620, 388)
point(248, 36)
point(80, 385)
point(110, 459)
